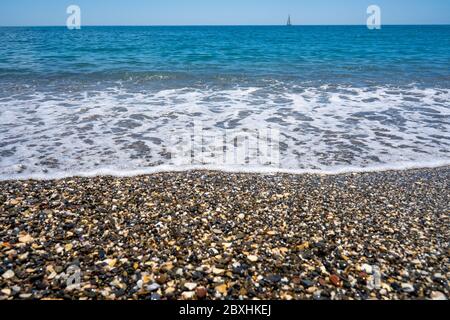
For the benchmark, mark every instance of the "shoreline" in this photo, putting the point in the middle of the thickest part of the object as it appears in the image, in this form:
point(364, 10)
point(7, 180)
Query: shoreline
point(168, 169)
point(220, 235)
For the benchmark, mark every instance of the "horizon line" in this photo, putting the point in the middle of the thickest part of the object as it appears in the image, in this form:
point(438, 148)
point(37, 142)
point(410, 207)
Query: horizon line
point(223, 25)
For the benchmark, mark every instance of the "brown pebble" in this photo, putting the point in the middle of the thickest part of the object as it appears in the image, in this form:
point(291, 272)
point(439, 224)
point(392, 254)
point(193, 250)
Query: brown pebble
point(335, 280)
point(161, 279)
point(201, 292)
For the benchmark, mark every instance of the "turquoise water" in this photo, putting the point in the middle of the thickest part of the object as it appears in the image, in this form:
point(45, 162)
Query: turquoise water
point(109, 98)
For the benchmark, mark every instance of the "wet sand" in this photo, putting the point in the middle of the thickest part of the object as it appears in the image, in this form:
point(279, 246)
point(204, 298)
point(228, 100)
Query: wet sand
point(215, 235)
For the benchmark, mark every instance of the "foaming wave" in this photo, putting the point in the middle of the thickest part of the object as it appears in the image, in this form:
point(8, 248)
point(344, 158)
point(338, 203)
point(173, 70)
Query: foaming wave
point(121, 173)
point(327, 129)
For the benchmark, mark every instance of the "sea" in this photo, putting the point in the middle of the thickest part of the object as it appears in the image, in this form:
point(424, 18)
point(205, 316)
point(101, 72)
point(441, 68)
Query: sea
point(118, 100)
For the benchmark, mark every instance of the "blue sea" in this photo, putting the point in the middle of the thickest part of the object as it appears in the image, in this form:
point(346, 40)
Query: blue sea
point(110, 100)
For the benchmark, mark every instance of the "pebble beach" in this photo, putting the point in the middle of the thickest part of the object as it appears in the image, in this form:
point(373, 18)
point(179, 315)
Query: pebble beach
point(214, 235)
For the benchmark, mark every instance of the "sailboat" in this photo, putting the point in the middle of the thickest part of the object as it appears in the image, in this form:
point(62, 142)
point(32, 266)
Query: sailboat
point(289, 24)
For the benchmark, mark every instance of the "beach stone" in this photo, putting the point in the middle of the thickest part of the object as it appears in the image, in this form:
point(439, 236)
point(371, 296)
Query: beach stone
point(170, 291)
point(161, 279)
point(218, 271)
point(6, 291)
point(335, 280)
point(25, 238)
point(190, 286)
point(155, 297)
point(223, 289)
point(317, 295)
point(367, 268)
point(312, 290)
point(437, 295)
point(274, 278)
point(8, 274)
point(307, 283)
point(201, 292)
point(408, 288)
point(188, 295)
point(153, 287)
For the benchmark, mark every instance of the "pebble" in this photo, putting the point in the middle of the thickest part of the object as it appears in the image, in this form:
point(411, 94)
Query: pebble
point(218, 271)
point(161, 279)
point(25, 238)
point(408, 288)
point(367, 268)
point(307, 283)
point(201, 292)
point(188, 295)
point(274, 278)
point(437, 295)
point(222, 288)
point(6, 291)
point(312, 289)
point(153, 287)
point(335, 280)
point(190, 286)
point(155, 296)
point(8, 274)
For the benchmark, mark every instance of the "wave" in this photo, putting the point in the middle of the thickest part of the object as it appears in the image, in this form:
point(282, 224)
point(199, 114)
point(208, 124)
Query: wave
point(120, 173)
point(322, 129)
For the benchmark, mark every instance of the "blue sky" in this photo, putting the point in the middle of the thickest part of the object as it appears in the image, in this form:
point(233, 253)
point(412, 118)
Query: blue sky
point(222, 12)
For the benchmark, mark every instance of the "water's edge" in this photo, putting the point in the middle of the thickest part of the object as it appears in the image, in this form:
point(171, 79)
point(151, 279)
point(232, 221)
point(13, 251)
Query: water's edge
point(108, 172)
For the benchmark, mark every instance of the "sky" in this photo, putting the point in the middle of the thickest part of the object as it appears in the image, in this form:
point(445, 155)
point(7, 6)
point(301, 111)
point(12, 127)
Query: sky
point(221, 12)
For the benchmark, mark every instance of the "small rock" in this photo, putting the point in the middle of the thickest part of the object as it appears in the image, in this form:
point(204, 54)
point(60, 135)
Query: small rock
point(8, 274)
point(437, 295)
point(161, 279)
point(14, 202)
point(111, 262)
point(438, 276)
point(153, 287)
point(222, 289)
point(201, 292)
point(274, 278)
point(307, 283)
point(252, 258)
point(317, 295)
point(190, 286)
point(155, 297)
point(25, 238)
point(170, 291)
point(335, 280)
point(6, 291)
point(408, 288)
point(311, 290)
point(367, 268)
point(218, 271)
point(188, 295)
point(213, 251)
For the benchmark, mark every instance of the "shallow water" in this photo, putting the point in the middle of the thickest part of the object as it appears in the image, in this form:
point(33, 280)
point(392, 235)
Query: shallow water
point(112, 99)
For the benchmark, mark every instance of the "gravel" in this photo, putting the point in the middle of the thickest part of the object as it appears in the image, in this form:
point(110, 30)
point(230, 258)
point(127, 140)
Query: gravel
point(215, 235)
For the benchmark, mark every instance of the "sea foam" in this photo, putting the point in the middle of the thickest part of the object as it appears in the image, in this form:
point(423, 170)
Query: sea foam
point(325, 129)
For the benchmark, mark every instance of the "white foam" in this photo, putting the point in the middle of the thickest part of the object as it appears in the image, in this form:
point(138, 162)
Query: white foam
point(120, 173)
point(325, 130)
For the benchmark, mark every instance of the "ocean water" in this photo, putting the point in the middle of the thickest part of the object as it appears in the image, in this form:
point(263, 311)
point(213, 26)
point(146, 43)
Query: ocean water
point(111, 99)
